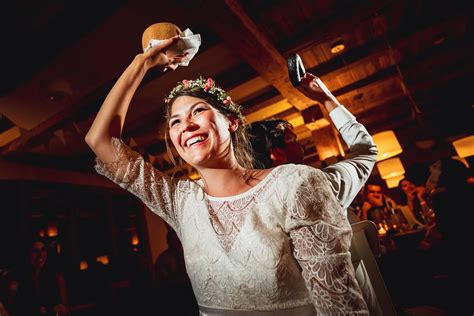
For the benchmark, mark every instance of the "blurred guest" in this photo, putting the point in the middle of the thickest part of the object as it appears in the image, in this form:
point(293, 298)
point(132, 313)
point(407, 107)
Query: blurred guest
point(174, 287)
point(373, 206)
point(273, 143)
point(37, 288)
point(449, 192)
point(381, 209)
point(451, 198)
point(413, 204)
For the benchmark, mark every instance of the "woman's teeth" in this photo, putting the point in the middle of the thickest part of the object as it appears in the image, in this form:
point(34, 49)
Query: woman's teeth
point(194, 140)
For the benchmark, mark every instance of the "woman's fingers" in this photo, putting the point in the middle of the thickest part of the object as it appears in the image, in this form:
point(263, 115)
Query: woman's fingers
point(162, 47)
point(306, 80)
point(315, 84)
point(167, 43)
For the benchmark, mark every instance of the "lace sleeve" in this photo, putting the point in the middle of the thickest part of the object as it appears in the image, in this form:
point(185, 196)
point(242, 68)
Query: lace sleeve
point(321, 235)
point(129, 170)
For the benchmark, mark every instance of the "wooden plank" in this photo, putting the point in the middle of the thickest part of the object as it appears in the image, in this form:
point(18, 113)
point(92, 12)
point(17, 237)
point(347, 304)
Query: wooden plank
point(241, 34)
point(334, 25)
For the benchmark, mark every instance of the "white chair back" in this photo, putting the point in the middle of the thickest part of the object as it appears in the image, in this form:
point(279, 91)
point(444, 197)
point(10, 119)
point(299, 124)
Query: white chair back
point(364, 249)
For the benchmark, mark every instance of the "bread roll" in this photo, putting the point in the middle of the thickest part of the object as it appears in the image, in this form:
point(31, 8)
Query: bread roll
point(159, 31)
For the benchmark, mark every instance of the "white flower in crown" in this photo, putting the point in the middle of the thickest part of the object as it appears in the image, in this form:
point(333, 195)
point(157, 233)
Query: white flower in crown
point(207, 85)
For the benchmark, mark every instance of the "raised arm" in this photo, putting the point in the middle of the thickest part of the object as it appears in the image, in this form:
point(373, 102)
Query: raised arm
point(111, 117)
point(347, 176)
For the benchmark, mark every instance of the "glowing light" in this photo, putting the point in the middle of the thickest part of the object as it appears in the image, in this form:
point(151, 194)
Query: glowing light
point(83, 265)
point(337, 47)
point(390, 168)
point(103, 259)
point(393, 182)
point(52, 230)
point(387, 145)
point(135, 240)
point(465, 146)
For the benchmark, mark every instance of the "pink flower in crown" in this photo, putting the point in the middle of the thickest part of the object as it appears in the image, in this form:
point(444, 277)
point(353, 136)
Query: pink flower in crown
point(185, 83)
point(227, 100)
point(208, 84)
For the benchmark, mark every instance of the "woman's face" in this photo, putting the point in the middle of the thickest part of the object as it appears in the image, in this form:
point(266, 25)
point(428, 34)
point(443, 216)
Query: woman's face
point(200, 134)
point(407, 187)
point(294, 150)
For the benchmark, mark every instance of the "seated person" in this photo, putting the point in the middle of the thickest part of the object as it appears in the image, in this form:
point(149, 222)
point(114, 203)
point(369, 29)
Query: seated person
point(413, 204)
point(35, 288)
point(381, 209)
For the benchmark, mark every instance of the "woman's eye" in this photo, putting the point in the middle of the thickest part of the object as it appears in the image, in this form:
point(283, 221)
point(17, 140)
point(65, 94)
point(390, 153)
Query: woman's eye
point(198, 110)
point(173, 123)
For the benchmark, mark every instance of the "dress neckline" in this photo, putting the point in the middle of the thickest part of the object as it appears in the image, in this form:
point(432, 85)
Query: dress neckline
point(246, 193)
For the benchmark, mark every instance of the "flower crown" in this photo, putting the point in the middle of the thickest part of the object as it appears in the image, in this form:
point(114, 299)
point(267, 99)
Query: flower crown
point(207, 85)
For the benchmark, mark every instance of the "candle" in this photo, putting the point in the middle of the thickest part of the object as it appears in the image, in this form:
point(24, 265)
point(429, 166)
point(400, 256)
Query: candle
point(382, 231)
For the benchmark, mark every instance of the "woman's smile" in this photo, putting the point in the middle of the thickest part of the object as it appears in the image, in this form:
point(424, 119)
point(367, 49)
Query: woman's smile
point(195, 140)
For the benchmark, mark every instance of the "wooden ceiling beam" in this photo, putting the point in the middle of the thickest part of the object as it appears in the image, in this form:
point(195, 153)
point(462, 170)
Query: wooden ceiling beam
point(334, 26)
point(240, 33)
point(352, 58)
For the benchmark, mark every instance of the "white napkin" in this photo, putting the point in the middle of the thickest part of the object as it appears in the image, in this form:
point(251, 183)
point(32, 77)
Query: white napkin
point(187, 43)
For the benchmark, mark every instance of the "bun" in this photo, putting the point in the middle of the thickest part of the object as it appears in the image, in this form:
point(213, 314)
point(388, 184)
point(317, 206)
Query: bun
point(159, 31)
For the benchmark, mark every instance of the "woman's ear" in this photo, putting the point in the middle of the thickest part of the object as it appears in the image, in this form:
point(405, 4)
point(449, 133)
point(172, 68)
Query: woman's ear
point(233, 124)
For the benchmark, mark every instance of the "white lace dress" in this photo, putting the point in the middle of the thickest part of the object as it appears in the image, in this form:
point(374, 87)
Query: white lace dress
point(281, 248)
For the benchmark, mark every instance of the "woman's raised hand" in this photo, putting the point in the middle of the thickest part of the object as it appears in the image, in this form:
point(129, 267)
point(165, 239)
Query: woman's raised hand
point(157, 56)
point(315, 89)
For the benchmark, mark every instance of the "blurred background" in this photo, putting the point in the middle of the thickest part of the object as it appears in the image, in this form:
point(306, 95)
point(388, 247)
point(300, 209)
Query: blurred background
point(403, 68)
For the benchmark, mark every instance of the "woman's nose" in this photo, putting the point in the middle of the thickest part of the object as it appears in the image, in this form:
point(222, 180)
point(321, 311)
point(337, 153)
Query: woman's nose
point(189, 125)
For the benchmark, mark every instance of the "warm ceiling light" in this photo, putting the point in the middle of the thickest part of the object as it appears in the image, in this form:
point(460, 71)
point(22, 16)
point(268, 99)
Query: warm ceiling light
point(393, 182)
point(337, 47)
point(387, 145)
point(465, 146)
point(390, 168)
point(135, 240)
point(52, 230)
point(83, 265)
point(103, 259)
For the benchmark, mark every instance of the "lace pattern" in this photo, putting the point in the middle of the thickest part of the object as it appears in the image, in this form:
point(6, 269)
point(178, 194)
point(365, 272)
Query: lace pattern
point(158, 191)
point(227, 217)
point(321, 237)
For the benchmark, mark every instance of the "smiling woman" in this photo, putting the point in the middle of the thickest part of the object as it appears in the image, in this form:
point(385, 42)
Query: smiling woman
point(256, 241)
point(209, 103)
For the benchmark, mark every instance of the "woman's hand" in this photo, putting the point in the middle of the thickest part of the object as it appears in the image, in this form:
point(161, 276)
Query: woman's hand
point(315, 89)
point(158, 57)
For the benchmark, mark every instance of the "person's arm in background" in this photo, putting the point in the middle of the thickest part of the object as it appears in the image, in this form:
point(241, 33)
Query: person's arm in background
point(347, 176)
point(319, 232)
point(63, 308)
